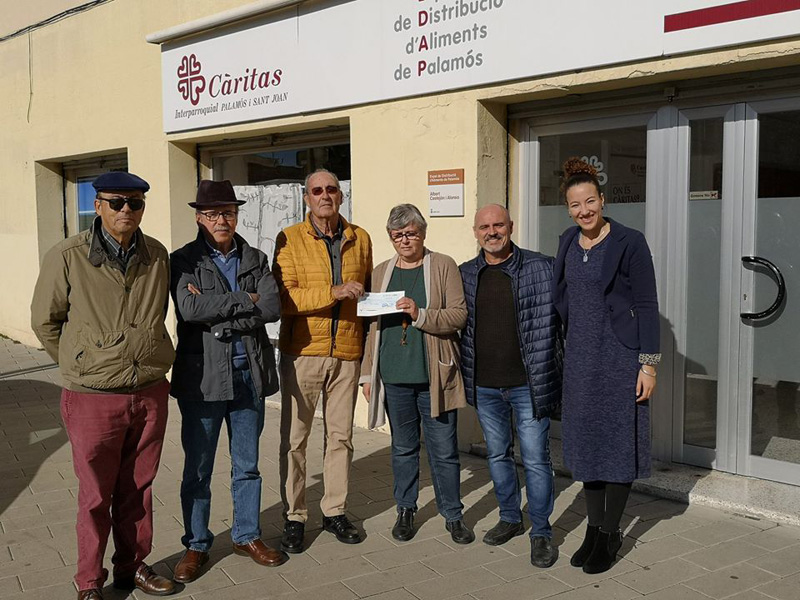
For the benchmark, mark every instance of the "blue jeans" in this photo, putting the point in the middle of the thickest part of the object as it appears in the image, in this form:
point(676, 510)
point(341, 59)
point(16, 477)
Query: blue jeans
point(202, 421)
point(407, 406)
point(495, 406)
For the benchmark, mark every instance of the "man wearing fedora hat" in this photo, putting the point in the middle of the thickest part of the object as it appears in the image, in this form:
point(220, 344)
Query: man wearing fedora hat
point(224, 294)
point(98, 309)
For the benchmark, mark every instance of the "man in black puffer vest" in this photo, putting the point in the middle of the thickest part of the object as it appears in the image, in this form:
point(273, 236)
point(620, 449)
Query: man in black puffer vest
point(511, 365)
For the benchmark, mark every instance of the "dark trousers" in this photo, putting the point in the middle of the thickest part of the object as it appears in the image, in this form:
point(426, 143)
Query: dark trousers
point(116, 447)
point(408, 406)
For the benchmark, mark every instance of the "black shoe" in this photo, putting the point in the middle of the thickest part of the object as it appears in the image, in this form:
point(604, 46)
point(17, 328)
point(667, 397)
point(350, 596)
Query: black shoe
point(582, 553)
point(543, 553)
point(292, 538)
point(502, 532)
point(604, 553)
point(460, 533)
point(342, 528)
point(403, 529)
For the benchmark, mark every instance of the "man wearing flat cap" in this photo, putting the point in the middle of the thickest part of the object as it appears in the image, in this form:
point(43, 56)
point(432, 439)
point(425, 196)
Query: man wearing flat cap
point(224, 294)
point(98, 309)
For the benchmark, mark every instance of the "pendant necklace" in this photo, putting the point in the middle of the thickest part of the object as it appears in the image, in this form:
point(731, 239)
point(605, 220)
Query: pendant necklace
point(407, 318)
point(595, 242)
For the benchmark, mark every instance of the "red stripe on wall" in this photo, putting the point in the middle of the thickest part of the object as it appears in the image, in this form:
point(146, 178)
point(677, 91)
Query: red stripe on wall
point(735, 11)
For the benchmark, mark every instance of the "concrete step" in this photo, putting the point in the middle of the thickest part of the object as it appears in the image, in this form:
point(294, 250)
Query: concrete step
point(703, 487)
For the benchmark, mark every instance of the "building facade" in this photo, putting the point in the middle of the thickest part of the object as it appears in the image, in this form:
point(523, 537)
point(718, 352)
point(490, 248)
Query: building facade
point(690, 110)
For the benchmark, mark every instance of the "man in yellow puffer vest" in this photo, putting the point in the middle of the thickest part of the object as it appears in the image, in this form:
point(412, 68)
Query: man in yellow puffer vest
point(322, 267)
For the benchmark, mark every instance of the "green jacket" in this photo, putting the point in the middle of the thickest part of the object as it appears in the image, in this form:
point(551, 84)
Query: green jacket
point(103, 327)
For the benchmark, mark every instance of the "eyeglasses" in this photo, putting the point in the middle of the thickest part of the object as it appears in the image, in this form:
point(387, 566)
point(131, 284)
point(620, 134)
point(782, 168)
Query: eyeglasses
point(213, 215)
point(118, 202)
point(317, 191)
point(411, 236)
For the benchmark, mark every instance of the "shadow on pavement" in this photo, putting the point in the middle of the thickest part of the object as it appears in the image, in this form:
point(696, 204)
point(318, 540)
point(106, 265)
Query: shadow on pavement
point(30, 432)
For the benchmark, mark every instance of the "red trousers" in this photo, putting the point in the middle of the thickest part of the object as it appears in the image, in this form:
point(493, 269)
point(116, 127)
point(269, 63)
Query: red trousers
point(116, 446)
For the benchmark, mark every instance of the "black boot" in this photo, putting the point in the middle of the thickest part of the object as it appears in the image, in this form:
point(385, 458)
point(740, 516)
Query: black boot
point(604, 553)
point(582, 553)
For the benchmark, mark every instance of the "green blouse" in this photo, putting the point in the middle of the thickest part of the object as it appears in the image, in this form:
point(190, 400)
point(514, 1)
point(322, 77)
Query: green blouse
point(400, 363)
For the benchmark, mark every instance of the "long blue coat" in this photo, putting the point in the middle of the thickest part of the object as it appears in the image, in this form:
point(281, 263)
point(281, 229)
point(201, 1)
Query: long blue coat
point(614, 327)
point(630, 287)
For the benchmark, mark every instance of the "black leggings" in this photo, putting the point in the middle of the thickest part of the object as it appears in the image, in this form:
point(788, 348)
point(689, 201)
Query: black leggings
point(605, 502)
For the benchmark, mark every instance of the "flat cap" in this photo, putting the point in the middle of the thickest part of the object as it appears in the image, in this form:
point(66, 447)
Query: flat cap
point(120, 180)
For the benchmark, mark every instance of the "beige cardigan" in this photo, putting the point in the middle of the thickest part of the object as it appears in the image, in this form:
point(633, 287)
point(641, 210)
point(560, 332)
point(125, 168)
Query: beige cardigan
point(440, 321)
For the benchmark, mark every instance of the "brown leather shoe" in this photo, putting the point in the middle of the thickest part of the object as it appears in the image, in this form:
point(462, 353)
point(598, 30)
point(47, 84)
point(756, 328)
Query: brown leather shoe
point(92, 594)
point(261, 553)
point(146, 580)
point(188, 567)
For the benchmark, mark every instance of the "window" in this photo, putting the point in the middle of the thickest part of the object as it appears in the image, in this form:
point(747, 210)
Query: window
point(282, 166)
point(269, 175)
point(86, 194)
point(79, 194)
point(620, 156)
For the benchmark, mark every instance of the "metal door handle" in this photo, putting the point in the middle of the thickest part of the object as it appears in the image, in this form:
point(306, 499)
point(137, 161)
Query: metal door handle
point(757, 260)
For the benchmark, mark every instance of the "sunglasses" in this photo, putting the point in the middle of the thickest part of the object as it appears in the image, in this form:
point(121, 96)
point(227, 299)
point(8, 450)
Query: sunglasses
point(117, 203)
point(331, 189)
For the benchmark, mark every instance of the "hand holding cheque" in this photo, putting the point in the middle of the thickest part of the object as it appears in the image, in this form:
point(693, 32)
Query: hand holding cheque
point(373, 304)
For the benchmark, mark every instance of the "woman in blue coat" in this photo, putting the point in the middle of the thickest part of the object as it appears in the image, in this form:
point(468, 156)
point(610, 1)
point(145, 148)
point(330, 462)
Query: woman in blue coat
point(605, 292)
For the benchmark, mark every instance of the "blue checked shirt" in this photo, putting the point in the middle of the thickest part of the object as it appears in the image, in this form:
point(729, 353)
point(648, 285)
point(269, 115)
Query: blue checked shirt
point(118, 252)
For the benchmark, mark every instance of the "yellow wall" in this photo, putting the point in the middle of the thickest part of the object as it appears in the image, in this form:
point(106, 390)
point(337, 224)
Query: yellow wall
point(86, 85)
point(91, 85)
point(18, 15)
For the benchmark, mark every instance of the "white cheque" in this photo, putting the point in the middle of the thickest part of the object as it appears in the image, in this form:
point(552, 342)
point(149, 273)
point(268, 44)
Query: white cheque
point(374, 304)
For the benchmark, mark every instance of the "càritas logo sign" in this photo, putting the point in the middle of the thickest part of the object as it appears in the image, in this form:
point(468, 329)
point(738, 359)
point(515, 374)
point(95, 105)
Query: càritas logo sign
point(190, 82)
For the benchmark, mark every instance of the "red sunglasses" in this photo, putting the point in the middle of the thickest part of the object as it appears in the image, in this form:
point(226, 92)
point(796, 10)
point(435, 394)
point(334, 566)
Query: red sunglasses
point(317, 191)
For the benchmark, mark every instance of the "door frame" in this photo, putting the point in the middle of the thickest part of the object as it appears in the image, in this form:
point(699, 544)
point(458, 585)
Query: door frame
point(736, 339)
point(667, 186)
point(720, 457)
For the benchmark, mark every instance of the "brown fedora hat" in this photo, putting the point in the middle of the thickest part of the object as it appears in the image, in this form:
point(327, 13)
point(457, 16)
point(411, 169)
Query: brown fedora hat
point(215, 193)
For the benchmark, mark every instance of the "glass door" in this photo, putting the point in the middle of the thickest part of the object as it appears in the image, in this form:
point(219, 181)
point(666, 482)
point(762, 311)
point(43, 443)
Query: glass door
point(736, 278)
point(769, 379)
point(717, 191)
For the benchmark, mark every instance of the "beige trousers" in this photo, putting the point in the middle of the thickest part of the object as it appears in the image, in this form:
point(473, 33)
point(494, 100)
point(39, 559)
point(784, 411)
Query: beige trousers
point(303, 378)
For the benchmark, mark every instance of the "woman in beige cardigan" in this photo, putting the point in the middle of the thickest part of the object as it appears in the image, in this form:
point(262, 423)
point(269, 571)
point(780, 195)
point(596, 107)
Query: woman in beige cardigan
point(411, 370)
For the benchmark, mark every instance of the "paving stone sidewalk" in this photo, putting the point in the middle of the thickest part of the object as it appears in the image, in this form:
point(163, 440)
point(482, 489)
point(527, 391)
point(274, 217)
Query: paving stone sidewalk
point(671, 552)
